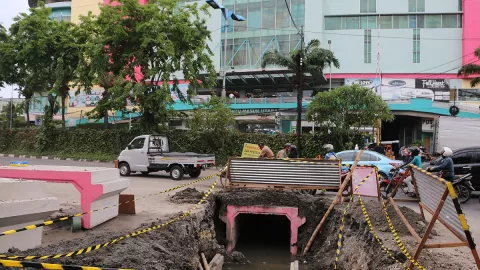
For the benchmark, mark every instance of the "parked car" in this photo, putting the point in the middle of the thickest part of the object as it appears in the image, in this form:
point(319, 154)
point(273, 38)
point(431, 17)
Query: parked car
point(382, 162)
point(465, 161)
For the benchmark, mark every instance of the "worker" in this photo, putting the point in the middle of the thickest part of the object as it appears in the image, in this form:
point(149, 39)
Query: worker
point(329, 153)
point(293, 153)
point(266, 151)
point(284, 152)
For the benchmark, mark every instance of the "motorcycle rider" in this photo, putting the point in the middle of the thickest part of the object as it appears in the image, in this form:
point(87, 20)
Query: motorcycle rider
point(417, 161)
point(445, 165)
point(330, 154)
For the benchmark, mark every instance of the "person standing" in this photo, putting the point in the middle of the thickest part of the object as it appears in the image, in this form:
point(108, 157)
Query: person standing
point(266, 151)
point(417, 161)
point(284, 152)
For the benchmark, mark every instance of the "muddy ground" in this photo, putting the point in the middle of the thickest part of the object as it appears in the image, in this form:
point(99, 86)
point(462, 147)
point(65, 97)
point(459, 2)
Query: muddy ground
point(188, 196)
point(177, 246)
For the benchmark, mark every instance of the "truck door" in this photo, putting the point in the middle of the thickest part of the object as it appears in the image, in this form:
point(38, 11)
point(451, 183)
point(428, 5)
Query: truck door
point(476, 169)
point(463, 164)
point(138, 155)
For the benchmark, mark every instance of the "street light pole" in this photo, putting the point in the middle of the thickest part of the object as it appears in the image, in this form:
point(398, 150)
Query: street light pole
point(11, 110)
point(224, 88)
point(329, 48)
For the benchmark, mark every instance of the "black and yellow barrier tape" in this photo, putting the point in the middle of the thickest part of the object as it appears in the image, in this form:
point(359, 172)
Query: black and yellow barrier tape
point(372, 231)
point(342, 224)
point(398, 241)
point(57, 220)
point(19, 264)
point(114, 241)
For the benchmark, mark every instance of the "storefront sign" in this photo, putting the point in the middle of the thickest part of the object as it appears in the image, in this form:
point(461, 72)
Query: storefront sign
point(433, 84)
point(428, 124)
point(251, 150)
point(369, 82)
point(253, 111)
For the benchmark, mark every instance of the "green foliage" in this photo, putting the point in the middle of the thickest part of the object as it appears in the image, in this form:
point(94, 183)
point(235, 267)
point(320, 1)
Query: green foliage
point(346, 109)
point(212, 122)
point(135, 57)
point(107, 144)
point(18, 119)
point(471, 69)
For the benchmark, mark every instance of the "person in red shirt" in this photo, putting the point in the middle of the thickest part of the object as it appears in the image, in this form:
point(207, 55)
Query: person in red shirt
point(266, 151)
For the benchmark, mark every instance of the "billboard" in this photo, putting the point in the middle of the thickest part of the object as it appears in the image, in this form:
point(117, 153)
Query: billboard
point(393, 89)
point(83, 100)
point(440, 87)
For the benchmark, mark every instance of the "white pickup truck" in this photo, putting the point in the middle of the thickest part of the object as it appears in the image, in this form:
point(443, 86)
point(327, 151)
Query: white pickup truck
point(150, 153)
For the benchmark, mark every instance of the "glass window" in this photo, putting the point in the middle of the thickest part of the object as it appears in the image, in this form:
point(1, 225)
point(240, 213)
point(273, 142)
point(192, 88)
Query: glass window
point(365, 157)
point(254, 16)
point(400, 22)
point(333, 23)
point(241, 9)
point(462, 158)
point(298, 11)
point(433, 21)
point(420, 21)
point(412, 22)
point(367, 47)
point(385, 22)
point(346, 156)
point(416, 45)
point(416, 5)
point(283, 44)
point(268, 14)
point(368, 6)
point(137, 144)
point(460, 5)
point(449, 21)
point(283, 17)
point(352, 22)
point(294, 42)
point(460, 21)
point(240, 52)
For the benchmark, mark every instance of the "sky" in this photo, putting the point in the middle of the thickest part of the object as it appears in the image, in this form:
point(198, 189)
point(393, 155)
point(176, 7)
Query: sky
point(9, 9)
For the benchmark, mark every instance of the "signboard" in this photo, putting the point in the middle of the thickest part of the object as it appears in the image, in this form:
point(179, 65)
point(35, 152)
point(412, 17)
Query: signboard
point(371, 83)
point(183, 91)
point(253, 111)
point(83, 100)
point(251, 150)
point(440, 87)
point(394, 89)
point(428, 124)
point(370, 187)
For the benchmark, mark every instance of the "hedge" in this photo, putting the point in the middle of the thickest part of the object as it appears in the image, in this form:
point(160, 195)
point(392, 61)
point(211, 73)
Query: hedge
point(107, 144)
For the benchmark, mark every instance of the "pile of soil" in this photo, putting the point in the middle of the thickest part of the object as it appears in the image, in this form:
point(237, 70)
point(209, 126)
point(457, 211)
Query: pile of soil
point(187, 196)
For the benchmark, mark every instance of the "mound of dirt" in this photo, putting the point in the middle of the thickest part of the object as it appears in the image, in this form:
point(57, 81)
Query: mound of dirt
point(187, 196)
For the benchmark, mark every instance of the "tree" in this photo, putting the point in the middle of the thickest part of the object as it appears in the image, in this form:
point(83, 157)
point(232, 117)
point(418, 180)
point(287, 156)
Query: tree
point(212, 122)
point(3, 41)
point(314, 60)
point(139, 49)
point(346, 109)
point(42, 56)
point(472, 69)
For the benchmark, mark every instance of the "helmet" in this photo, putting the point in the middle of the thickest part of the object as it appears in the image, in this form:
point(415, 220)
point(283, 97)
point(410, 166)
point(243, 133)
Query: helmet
point(414, 150)
point(287, 145)
point(446, 152)
point(328, 147)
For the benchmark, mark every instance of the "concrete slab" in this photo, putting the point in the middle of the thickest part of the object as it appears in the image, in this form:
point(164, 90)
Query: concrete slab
point(98, 187)
point(23, 203)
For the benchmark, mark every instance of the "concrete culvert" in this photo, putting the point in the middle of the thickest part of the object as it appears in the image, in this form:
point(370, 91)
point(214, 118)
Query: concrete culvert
point(260, 238)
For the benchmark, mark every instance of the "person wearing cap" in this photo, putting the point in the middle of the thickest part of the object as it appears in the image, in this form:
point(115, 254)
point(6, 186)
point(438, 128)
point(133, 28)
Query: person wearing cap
point(284, 152)
point(266, 151)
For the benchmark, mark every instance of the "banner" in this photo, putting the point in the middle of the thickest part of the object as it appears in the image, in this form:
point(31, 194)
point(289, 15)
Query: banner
point(433, 84)
point(251, 151)
point(371, 83)
point(83, 100)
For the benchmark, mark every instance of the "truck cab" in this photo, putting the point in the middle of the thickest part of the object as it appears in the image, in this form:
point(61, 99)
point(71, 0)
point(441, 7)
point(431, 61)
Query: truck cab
point(151, 153)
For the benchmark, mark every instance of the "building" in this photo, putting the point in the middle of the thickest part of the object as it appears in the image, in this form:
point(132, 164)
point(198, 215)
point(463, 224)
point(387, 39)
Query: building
point(61, 9)
point(401, 49)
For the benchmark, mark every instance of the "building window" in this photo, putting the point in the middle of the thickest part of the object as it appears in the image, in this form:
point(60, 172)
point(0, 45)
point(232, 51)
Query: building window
point(268, 15)
point(254, 16)
point(416, 45)
point(385, 22)
point(433, 21)
point(367, 46)
point(298, 12)
point(368, 22)
point(460, 5)
point(352, 23)
point(368, 6)
point(333, 23)
point(416, 5)
point(449, 21)
point(400, 22)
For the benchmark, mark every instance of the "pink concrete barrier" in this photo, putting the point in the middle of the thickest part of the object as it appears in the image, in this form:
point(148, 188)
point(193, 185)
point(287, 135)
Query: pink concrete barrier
point(290, 212)
point(98, 187)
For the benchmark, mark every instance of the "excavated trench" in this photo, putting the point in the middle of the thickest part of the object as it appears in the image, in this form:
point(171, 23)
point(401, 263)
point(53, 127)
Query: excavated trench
point(262, 240)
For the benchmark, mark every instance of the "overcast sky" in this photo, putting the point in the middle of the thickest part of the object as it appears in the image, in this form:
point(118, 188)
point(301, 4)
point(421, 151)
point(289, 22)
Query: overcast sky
point(8, 10)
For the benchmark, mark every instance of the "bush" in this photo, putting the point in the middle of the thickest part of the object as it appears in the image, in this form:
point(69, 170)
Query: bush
point(107, 144)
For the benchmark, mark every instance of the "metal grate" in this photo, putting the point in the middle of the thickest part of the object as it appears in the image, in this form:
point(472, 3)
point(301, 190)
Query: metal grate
point(321, 174)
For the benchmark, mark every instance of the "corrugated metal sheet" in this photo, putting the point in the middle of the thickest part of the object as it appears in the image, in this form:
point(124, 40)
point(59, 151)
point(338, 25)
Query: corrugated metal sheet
point(282, 172)
point(431, 191)
point(457, 132)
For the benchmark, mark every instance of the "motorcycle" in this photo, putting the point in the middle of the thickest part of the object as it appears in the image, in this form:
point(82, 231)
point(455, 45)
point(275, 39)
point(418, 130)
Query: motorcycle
point(463, 187)
point(388, 185)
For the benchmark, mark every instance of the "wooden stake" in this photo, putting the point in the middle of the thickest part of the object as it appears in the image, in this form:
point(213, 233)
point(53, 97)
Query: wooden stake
point(205, 263)
point(405, 221)
point(200, 267)
point(337, 199)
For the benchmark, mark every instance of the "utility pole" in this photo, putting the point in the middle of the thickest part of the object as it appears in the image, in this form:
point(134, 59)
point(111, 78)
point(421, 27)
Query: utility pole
point(300, 97)
point(11, 110)
point(330, 49)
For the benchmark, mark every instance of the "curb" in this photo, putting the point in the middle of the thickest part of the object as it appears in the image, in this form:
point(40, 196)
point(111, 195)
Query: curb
point(54, 158)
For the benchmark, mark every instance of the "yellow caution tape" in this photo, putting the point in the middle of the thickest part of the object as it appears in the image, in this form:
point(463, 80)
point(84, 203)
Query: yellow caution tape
point(19, 264)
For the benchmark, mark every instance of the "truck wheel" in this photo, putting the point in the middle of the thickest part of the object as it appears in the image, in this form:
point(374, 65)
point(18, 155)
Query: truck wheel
point(124, 169)
point(176, 172)
point(195, 173)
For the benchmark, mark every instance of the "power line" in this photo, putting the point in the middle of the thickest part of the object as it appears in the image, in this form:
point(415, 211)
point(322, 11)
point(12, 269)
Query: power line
point(291, 17)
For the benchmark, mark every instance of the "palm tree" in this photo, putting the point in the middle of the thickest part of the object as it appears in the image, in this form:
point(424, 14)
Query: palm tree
point(315, 60)
point(472, 69)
